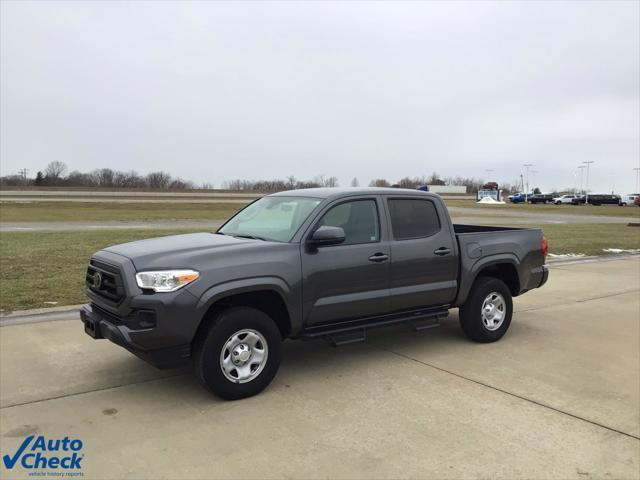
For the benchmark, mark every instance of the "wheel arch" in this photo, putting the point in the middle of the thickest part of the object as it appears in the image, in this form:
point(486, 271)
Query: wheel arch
point(267, 295)
point(504, 268)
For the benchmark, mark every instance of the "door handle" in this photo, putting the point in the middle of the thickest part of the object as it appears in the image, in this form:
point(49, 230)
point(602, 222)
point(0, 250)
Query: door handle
point(379, 257)
point(442, 251)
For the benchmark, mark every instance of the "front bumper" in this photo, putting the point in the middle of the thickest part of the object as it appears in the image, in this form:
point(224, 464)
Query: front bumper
point(100, 324)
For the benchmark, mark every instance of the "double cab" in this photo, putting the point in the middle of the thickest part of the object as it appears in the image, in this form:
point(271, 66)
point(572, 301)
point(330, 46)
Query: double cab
point(305, 264)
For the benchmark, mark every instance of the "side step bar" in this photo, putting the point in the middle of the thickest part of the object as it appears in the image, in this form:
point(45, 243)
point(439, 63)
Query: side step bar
point(344, 333)
point(345, 338)
point(425, 323)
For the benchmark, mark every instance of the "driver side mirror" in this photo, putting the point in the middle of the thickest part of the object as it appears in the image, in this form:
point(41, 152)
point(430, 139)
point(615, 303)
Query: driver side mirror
point(325, 236)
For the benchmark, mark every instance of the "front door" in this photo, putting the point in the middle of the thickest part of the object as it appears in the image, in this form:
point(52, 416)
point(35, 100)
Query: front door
point(349, 280)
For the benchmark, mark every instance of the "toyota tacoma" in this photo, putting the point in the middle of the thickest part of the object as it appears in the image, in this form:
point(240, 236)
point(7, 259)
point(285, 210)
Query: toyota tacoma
point(304, 264)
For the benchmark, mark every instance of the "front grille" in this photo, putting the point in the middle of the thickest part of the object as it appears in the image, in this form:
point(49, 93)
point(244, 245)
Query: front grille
point(105, 280)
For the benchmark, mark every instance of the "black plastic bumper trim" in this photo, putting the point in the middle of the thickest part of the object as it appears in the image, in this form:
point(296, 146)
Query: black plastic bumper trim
point(98, 326)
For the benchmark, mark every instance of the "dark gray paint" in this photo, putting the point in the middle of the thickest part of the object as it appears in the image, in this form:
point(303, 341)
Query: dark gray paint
point(321, 285)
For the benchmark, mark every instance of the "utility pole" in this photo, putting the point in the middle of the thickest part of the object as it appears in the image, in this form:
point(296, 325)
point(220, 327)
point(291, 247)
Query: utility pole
point(23, 172)
point(526, 192)
point(637, 169)
point(586, 195)
point(581, 167)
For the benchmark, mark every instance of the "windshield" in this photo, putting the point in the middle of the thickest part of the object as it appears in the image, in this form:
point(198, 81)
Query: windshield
point(271, 218)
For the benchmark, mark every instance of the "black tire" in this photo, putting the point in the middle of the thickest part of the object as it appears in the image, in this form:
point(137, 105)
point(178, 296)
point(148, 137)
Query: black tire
point(471, 318)
point(208, 349)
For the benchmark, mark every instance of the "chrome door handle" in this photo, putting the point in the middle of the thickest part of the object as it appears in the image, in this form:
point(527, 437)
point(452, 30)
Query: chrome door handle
point(379, 257)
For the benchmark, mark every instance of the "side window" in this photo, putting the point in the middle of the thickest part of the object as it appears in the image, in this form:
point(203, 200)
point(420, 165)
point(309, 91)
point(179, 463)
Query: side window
point(413, 218)
point(358, 219)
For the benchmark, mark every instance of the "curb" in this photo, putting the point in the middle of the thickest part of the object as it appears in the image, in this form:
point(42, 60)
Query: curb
point(40, 311)
point(39, 315)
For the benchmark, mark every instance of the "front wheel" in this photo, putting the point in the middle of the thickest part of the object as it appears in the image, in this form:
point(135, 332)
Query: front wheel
point(239, 353)
point(486, 315)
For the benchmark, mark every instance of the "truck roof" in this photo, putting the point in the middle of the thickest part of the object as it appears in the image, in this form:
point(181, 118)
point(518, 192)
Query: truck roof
point(350, 191)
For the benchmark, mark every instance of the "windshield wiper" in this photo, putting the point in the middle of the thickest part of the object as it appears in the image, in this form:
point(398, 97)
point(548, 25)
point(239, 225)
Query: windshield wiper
point(252, 237)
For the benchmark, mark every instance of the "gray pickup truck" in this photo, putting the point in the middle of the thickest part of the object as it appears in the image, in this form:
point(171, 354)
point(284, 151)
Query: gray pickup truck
point(304, 264)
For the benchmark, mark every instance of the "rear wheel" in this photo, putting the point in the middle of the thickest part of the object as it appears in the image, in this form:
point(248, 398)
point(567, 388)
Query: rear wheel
point(486, 315)
point(238, 355)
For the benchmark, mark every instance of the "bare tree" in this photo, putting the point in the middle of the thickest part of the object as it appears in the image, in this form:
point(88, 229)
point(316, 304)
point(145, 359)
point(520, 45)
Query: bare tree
point(434, 179)
point(128, 179)
point(158, 180)
point(104, 177)
point(331, 182)
point(355, 182)
point(55, 170)
point(379, 182)
point(79, 179)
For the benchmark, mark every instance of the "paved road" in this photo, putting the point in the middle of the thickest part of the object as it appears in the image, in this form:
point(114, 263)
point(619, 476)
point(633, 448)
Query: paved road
point(459, 214)
point(513, 216)
point(241, 201)
point(207, 225)
point(558, 397)
point(106, 196)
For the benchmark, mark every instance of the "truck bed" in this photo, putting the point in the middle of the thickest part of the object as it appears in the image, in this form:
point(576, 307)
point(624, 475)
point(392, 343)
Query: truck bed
point(481, 245)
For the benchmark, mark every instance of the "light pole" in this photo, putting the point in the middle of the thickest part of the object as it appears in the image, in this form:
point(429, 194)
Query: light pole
point(581, 167)
point(526, 193)
point(637, 169)
point(586, 189)
point(533, 177)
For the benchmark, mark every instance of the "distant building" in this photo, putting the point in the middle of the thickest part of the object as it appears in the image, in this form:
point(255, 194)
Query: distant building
point(447, 188)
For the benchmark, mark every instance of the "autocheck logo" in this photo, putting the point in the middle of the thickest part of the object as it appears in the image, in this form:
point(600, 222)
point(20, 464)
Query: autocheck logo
point(37, 452)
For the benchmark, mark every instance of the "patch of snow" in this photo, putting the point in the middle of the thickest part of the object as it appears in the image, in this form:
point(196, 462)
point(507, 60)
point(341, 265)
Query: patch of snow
point(50, 303)
point(490, 201)
point(621, 250)
point(566, 255)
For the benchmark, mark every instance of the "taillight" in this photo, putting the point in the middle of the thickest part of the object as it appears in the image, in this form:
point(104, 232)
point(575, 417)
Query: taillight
point(544, 246)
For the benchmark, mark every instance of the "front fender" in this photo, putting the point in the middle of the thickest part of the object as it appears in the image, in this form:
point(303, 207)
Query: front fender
point(244, 285)
point(253, 284)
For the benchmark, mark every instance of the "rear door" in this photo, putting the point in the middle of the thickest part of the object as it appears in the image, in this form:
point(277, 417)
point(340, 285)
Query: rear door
point(349, 280)
point(424, 266)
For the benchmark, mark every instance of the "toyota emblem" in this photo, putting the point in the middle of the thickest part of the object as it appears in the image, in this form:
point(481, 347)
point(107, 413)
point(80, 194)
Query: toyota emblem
point(97, 280)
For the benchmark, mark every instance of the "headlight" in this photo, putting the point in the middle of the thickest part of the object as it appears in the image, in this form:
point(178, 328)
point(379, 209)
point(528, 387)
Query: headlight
point(166, 280)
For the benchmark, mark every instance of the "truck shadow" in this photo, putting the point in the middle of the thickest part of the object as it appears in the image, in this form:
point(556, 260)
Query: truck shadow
point(305, 363)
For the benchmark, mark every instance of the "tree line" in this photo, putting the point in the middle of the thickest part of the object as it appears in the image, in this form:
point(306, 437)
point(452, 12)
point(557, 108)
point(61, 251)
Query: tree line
point(55, 175)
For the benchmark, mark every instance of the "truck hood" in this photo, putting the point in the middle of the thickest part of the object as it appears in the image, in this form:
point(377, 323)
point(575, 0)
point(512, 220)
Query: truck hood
point(179, 251)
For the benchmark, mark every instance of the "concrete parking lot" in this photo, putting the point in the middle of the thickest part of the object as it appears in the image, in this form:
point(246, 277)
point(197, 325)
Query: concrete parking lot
point(558, 397)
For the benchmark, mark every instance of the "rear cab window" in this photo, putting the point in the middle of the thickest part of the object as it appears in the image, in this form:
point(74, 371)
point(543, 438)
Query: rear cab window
point(413, 218)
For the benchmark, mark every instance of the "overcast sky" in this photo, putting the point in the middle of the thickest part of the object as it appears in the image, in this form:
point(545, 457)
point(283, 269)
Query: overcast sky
point(215, 91)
